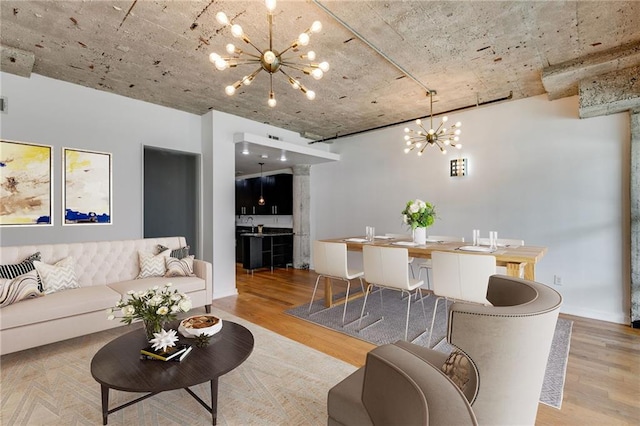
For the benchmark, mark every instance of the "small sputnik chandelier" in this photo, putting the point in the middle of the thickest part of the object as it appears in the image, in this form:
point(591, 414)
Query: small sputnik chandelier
point(270, 60)
point(440, 136)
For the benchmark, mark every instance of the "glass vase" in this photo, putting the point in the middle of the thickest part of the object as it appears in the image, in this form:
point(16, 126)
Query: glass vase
point(152, 326)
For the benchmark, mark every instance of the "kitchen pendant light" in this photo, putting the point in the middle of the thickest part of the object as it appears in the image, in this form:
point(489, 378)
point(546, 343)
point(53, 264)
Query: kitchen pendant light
point(261, 199)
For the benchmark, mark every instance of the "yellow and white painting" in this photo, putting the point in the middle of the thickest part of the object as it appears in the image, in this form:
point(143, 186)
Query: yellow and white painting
point(87, 187)
point(25, 184)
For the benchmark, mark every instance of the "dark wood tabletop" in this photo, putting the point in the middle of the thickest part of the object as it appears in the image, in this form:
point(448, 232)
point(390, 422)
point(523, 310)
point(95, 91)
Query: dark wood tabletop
point(118, 365)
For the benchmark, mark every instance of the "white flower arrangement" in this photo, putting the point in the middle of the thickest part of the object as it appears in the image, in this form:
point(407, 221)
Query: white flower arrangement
point(419, 214)
point(156, 305)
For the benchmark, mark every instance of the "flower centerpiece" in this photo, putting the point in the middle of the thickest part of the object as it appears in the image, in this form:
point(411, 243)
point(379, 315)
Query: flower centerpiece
point(154, 307)
point(419, 215)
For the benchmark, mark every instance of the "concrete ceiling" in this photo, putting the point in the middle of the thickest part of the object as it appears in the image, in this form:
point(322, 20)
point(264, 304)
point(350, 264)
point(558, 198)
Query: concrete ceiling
point(470, 52)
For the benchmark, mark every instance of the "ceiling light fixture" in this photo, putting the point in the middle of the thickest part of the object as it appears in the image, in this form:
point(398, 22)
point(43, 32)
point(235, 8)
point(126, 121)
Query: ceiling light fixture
point(261, 199)
point(440, 137)
point(270, 60)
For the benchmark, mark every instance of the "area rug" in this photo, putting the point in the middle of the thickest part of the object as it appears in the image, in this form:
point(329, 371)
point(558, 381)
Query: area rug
point(392, 328)
point(282, 383)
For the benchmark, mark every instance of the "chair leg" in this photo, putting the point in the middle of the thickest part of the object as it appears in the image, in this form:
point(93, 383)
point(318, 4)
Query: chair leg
point(313, 296)
point(406, 324)
point(346, 300)
point(433, 320)
point(424, 313)
point(366, 294)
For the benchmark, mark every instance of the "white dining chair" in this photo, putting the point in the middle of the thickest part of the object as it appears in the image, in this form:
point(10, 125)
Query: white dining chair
point(386, 268)
point(410, 259)
point(330, 261)
point(426, 264)
point(505, 242)
point(460, 277)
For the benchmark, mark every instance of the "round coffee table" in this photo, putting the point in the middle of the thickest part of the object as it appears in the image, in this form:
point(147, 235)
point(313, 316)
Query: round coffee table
point(118, 366)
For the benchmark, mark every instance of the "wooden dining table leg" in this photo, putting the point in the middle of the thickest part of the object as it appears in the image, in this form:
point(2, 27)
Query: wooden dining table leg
point(328, 293)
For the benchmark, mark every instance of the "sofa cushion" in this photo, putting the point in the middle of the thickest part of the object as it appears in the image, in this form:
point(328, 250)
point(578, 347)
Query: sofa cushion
point(22, 287)
point(152, 265)
point(182, 284)
point(66, 303)
point(179, 267)
point(344, 403)
point(61, 276)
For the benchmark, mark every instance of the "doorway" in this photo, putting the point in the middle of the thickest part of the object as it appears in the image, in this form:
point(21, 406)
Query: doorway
point(170, 195)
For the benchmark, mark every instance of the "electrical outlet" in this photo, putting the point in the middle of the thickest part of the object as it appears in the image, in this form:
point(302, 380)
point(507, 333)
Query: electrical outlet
point(557, 280)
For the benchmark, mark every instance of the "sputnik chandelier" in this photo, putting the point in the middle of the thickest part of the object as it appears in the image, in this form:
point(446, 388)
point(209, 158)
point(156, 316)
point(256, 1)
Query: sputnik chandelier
point(269, 60)
point(440, 137)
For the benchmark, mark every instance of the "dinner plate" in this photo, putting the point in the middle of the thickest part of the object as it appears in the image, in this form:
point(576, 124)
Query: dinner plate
point(406, 243)
point(476, 248)
point(383, 237)
point(356, 240)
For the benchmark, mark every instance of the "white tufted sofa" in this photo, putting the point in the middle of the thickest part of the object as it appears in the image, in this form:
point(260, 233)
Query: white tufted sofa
point(105, 270)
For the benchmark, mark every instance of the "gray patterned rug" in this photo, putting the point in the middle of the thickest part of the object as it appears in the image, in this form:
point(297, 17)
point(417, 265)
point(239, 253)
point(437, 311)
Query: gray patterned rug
point(281, 383)
point(392, 329)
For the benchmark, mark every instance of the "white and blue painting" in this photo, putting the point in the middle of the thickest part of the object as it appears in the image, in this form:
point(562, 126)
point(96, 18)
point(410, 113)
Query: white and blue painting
point(87, 187)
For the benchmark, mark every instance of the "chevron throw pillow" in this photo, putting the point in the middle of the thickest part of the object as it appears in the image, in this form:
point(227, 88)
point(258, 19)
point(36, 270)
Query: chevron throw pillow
point(19, 288)
point(179, 267)
point(152, 265)
point(61, 276)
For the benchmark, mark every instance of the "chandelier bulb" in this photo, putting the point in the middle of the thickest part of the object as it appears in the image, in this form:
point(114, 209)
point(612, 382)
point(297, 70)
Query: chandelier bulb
point(231, 49)
point(445, 119)
point(444, 151)
point(272, 99)
point(213, 57)
point(418, 122)
point(324, 66)
point(317, 73)
point(419, 153)
point(446, 142)
point(316, 27)
point(407, 138)
point(457, 132)
point(237, 31)
point(458, 124)
point(221, 17)
point(230, 90)
point(271, 5)
point(303, 39)
point(311, 55)
point(246, 80)
point(407, 150)
point(456, 139)
point(458, 145)
point(431, 131)
point(221, 64)
point(311, 95)
point(407, 130)
point(269, 57)
point(418, 144)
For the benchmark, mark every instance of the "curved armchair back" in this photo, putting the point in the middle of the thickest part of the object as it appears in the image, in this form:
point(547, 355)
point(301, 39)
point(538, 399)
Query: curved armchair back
point(509, 342)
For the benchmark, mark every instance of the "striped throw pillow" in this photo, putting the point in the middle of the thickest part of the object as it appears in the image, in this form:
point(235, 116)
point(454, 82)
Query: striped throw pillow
point(178, 253)
point(179, 267)
point(17, 269)
point(19, 288)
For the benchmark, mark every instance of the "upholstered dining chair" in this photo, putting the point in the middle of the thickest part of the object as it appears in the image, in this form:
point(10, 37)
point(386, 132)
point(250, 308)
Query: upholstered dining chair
point(426, 264)
point(330, 261)
point(386, 268)
point(460, 276)
point(507, 342)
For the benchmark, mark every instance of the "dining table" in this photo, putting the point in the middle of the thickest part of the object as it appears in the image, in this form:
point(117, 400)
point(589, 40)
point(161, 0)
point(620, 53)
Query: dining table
point(516, 259)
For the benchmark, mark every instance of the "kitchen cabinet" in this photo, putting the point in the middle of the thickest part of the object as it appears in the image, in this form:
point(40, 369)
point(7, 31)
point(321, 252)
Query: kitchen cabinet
point(266, 250)
point(277, 191)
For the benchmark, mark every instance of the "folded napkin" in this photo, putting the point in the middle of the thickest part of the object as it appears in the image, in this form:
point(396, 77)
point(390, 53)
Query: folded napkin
point(356, 240)
point(476, 248)
point(383, 237)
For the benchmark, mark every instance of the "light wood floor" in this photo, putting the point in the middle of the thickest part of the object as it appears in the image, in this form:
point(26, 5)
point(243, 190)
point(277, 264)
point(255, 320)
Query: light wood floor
point(603, 375)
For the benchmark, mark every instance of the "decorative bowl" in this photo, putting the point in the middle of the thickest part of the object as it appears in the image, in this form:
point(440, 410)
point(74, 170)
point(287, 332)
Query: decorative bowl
point(200, 324)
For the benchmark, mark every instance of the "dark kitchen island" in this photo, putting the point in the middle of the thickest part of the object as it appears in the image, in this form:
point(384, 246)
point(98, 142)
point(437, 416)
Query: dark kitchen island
point(266, 250)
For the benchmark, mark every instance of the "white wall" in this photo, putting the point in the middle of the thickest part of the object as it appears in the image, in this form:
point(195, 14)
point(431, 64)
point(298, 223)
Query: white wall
point(52, 112)
point(536, 172)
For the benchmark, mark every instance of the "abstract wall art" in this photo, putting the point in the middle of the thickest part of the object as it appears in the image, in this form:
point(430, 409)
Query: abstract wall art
point(26, 183)
point(87, 186)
